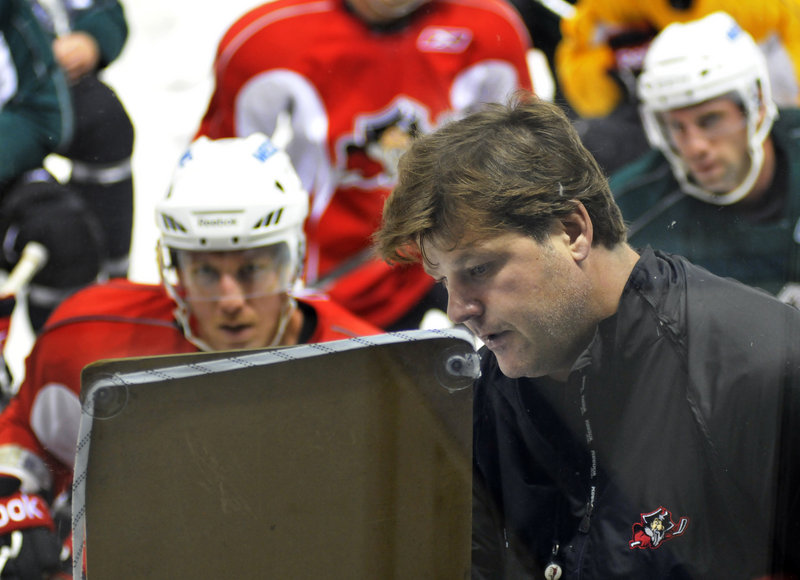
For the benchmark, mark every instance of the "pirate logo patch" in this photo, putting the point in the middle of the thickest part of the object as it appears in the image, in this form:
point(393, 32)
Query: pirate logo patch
point(368, 156)
point(655, 528)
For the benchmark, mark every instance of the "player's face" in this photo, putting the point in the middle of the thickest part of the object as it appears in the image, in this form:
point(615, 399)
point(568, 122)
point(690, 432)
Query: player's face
point(236, 298)
point(528, 302)
point(712, 139)
point(384, 10)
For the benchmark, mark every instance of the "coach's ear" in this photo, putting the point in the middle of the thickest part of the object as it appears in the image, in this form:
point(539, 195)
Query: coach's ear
point(578, 227)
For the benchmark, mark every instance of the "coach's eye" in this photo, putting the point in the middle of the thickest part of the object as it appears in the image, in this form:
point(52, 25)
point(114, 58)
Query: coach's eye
point(479, 270)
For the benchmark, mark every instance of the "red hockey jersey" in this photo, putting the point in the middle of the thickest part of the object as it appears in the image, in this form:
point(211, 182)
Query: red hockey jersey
point(118, 319)
point(355, 95)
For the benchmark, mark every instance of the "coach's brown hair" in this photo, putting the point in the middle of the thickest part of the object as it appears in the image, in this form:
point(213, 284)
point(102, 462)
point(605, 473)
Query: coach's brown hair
point(517, 166)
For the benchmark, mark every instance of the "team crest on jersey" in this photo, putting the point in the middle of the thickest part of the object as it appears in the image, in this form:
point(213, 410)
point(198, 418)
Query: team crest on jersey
point(444, 39)
point(371, 153)
point(656, 528)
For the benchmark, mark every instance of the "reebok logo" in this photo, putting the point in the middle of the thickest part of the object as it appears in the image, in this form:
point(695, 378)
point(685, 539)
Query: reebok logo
point(23, 511)
point(441, 39)
point(216, 222)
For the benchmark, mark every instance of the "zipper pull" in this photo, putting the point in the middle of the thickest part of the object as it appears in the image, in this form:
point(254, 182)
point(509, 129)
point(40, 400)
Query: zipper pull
point(553, 571)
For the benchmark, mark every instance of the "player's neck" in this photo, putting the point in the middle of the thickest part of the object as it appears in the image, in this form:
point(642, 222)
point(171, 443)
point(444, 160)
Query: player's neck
point(364, 10)
point(291, 335)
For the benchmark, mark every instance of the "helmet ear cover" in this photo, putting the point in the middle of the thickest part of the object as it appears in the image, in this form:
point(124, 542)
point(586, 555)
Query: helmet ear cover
point(688, 64)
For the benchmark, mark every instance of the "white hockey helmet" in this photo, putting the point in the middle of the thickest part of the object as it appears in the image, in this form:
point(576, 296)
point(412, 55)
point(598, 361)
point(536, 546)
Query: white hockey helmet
point(236, 194)
point(233, 194)
point(690, 63)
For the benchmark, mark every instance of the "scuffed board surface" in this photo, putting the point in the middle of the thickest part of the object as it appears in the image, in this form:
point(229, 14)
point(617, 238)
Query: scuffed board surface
point(342, 460)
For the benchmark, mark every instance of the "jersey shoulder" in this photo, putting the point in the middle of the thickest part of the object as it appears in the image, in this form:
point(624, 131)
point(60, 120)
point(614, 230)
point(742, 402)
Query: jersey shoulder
point(486, 15)
point(116, 298)
point(334, 322)
point(116, 319)
point(257, 13)
point(786, 130)
point(254, 22)
point(640, 175)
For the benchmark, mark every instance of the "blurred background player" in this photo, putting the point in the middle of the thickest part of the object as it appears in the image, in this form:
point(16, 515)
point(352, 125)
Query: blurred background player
point(603, 43)
point(36, 119)
point(231, 250)
point(722, 184)
point(356, 80)
point(87, 36)
point(543, 19)
point(35, 109)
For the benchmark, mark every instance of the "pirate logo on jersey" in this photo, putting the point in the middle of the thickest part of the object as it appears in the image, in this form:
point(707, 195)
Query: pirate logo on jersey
point(371, 153)
point(655, 528)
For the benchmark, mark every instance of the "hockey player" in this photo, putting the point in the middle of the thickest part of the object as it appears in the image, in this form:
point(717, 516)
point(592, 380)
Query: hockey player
point(597, 59)
point(358, 79)
point(721, 185)
point(603, 45)
point(231, 248)
point(36, 119)
point(87, 36)
point(35, 110)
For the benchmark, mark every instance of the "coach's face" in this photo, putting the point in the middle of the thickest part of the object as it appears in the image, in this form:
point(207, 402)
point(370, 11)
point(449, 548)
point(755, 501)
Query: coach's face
point(528, 302)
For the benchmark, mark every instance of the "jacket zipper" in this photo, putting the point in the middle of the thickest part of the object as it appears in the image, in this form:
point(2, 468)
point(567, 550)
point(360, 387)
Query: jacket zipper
point(586, 521)
point(552, 570)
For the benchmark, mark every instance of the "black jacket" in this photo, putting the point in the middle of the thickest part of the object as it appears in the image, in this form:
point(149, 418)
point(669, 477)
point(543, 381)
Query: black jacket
point(673, 451)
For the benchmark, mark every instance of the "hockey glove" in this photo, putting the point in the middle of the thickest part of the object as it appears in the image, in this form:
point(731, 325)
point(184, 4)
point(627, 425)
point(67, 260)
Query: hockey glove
point(29, 546)
point(57, 218)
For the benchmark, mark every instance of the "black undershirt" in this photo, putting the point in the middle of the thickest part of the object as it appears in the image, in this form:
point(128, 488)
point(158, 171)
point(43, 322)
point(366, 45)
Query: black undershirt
point(309, 322)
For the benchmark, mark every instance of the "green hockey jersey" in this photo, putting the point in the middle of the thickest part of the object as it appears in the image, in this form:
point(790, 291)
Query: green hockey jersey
point(760, 247)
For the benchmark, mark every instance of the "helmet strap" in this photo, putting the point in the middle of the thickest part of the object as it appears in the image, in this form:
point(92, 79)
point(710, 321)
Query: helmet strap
point(283, 322)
